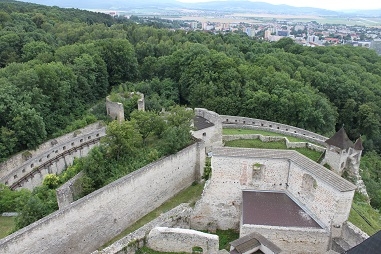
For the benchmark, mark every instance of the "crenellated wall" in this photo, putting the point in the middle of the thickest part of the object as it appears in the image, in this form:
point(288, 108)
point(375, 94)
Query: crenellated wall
point(27, 169)
point(93, 220)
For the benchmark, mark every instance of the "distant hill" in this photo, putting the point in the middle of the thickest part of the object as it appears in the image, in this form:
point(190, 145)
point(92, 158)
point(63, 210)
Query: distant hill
point(222, 6)
point(259, 7)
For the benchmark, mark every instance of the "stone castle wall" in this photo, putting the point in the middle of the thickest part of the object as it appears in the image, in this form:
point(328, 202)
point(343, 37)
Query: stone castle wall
point(238, 169)
point(212, 136)
point(52, 157)
point(115, 110)
point(177, 217)
point(331, 207)
point(91, 221)
point(259, 124)
point(66, 192)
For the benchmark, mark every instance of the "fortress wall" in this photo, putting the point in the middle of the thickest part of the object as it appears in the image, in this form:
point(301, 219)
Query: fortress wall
point(292, 240)
point(93, 220)
point(213, 134)
point(177, 217)
point(51, 157)
point(220, 205)
point(330, 206)
point(259, 124)
point(178, 240)
point(19, 160)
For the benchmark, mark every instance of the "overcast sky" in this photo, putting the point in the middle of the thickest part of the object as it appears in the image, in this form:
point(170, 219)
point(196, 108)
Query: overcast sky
point(325, 4)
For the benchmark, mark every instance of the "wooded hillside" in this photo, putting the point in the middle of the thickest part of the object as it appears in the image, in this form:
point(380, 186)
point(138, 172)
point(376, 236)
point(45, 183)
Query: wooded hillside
point(57, 64)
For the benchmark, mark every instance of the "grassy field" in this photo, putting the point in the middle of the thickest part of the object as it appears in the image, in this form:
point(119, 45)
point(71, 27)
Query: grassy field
point(189, 195)
point(6, 225)
point(264, 133)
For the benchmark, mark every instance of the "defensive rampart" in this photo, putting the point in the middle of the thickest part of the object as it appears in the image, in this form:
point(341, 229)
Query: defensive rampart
point(27, 169)
point(93, 220)
point(259, 124)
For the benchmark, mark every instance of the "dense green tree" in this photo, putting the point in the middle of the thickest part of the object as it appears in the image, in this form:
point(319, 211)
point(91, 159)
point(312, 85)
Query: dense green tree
point(122, 139)
point(148, 123)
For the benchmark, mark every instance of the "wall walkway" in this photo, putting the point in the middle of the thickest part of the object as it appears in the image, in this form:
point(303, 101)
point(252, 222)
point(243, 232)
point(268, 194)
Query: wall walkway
point(27, 169)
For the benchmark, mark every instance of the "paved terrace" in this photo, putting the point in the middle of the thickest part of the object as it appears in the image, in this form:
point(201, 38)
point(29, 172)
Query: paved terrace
point(310, 166)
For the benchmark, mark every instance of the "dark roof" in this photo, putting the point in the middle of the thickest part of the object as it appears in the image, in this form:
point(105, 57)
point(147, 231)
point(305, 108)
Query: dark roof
point(252, 241)
point(315, 169)
point(201, 123)
point(340, 139)
point(369, 246)
point(358, 144)
point(274, 209)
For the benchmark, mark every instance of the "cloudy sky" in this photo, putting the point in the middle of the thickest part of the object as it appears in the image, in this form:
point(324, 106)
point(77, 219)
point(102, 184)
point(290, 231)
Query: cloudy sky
point(325, 4)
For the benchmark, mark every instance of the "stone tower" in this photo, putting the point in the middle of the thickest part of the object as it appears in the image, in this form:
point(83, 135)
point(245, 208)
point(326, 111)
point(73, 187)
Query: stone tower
point(342, 155)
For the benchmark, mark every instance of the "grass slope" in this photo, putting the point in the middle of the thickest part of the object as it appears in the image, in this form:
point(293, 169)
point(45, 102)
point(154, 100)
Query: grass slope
point(6, 225)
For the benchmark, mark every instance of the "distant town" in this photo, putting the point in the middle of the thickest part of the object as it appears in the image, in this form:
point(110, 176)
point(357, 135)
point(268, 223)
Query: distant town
point(305, 30)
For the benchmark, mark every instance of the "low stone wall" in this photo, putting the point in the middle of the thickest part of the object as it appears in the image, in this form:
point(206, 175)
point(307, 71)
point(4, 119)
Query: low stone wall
point(27, 169)
point(91, 221)
point(177, 217)
point(292, 240)
point(66, 193)
point(259, 124)
point(181, 240)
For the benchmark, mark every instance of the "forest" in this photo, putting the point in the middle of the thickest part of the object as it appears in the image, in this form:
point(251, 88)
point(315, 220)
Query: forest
point(57, 66)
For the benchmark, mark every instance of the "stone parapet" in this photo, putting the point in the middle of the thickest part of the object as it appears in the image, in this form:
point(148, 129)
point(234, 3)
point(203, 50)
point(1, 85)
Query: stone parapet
point(259, 124)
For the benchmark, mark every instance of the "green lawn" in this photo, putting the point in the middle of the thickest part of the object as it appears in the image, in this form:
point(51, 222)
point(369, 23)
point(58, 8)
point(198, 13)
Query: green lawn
point(6, 225)
point(189, 195)
point(256, 143)
point(264, 133)
point(364, 216)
